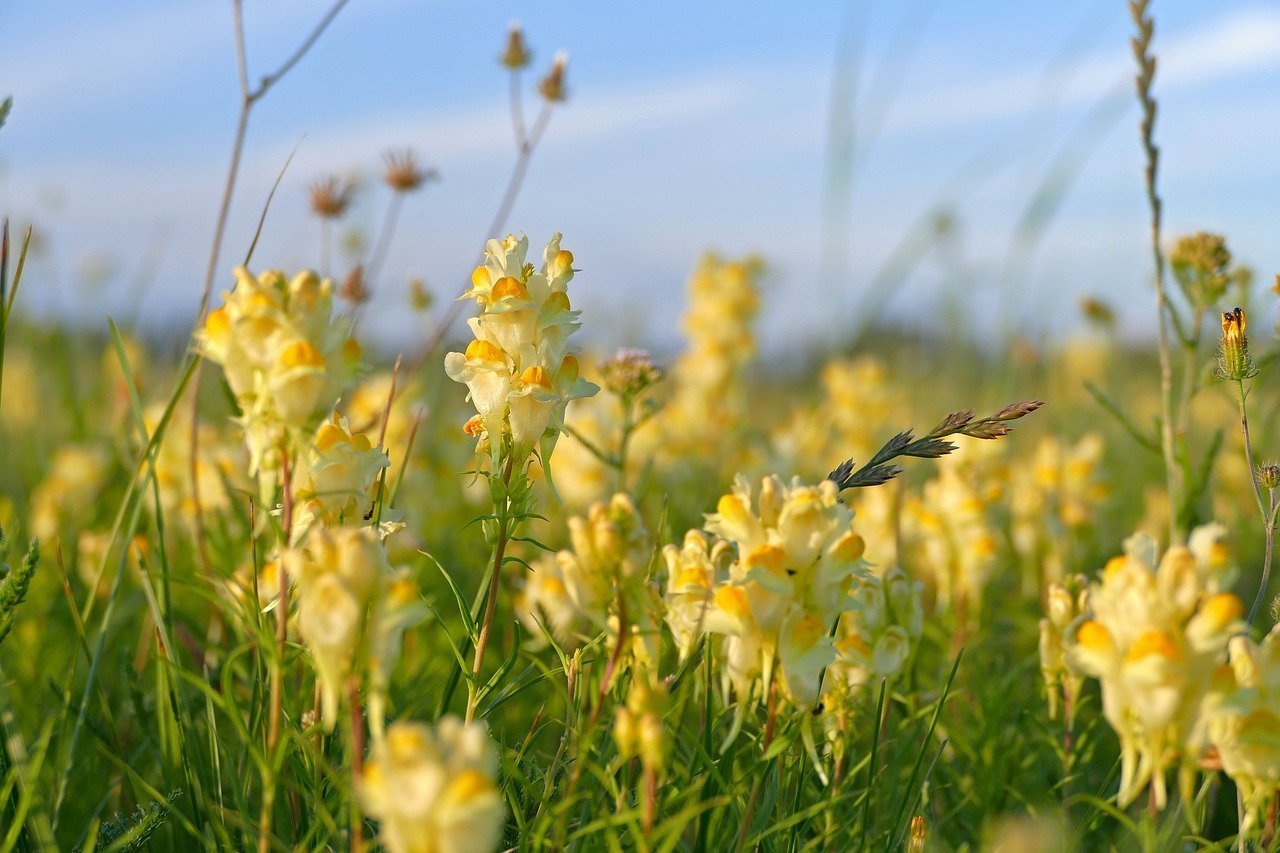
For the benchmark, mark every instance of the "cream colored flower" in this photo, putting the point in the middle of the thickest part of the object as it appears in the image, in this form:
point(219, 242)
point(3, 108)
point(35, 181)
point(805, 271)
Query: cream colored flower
point(341, 576)
point(518, 370)
point(692, 573)
point(1064, 604)
point(545, 601)
point(434, 791)
point(283, 356)
point(1244, 725)
point(605, 575)
point(65, 499)
point(797, 560)
point(1153, 641)
point(638, 731)
point(336, 477)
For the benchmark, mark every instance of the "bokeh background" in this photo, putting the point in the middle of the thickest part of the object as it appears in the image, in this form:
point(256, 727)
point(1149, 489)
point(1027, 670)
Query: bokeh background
point(912, 162)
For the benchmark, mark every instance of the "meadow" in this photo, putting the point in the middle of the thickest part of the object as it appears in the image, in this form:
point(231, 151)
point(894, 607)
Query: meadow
point(267, 587)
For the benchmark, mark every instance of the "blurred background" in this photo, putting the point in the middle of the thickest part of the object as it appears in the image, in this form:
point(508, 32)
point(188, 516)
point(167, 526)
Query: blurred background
point(917, 162)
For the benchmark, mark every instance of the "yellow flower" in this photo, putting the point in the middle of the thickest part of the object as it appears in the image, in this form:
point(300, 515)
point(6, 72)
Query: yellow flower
point(604, 575)
point(284, 357)
point(518, 371)
point(1153, 640)
point(341, 575)
point(1244, 723)
point(692, 572)
point(335, 477)
point(434, 790)
point(66, 498)
point(797, 560)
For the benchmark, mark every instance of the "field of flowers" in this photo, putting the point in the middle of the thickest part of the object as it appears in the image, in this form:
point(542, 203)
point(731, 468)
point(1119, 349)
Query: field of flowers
point(270, 589)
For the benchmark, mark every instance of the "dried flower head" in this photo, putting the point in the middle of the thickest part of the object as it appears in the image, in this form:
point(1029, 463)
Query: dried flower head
point(1269, 475)
point(516, 55)
point(330, 197)
point(403, 174)
point(420, 299)
point(629, 372)
point(1201, 265)
point(1098, 313)
point(354, 288)
point(552, 87)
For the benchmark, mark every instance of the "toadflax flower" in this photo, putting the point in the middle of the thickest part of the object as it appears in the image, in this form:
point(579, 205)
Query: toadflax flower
point(604, 575)
point(797, 560)
point(1153, 639)
point(1244, 723)
point(433, 790)
point(351, 608)
point(692, 573)
point(283, 356)
point(518, 370)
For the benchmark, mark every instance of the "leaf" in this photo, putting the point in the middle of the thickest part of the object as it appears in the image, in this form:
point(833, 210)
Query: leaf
point(6, 107)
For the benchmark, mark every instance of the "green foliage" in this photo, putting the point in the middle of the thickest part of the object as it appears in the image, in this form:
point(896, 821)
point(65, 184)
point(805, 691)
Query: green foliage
point(14, 582)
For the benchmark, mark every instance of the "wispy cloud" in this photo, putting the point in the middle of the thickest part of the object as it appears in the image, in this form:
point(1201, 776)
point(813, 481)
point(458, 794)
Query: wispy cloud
point(1247, 41)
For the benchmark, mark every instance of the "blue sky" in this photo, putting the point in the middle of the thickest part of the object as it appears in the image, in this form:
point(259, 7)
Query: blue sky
point(690, 126)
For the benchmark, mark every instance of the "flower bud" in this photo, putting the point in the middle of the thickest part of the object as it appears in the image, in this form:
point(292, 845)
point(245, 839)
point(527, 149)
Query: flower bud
point(552, 87)
point(516, 55)
point(1269, 475)
point(1235, 362)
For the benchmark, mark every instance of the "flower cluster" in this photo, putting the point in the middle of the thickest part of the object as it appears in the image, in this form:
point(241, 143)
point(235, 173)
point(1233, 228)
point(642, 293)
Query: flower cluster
point(602, 581)
point(708, 400)
point(1153, 639)
point(797, 558)
point(951, 526)
point(352, 609)
point(874, 638)
point(1055, 500)
point(285, 359)
point(433, 790)
point(1244, 723)
point(1064, 604)
point(335, 477)
point(518, 369)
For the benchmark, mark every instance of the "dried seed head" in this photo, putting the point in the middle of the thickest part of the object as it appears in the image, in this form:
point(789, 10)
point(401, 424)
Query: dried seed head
point(629, 372)
point(1098, 313)
point(1201, 265)
point(402, 172)
point(516, 55)
point(419, 297)
point(1269, 475)
point(1235, 362)
point(552, 87)
point(355, 289)
point(331, 197)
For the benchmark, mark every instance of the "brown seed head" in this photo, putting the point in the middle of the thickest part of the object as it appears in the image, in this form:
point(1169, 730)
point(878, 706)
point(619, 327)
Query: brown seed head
point(516, 55)
point(552, 87)
point(402, 172)
point(331, 197)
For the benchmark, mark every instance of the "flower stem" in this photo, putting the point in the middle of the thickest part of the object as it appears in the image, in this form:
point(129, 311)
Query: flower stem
point(491, 598)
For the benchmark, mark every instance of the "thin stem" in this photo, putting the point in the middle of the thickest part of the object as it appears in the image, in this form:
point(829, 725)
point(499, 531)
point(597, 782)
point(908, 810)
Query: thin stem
point(770, 722)
point(495, 577)
point(1164, 307)
point(1269, 537)
point(514, 183)
point(383, 244)
point(275, 708)
point(357, 760)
